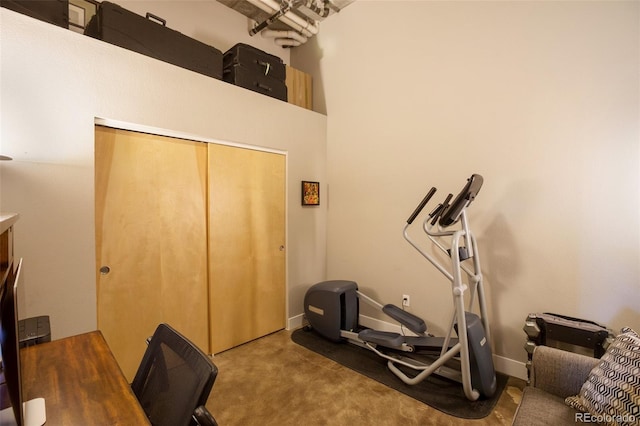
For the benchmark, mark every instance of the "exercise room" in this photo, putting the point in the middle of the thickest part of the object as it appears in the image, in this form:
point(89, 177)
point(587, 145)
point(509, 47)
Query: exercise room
point(345, 211)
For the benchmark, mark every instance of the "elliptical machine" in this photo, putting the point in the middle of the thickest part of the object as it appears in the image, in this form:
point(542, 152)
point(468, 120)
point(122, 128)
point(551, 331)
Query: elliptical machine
point(332, 308)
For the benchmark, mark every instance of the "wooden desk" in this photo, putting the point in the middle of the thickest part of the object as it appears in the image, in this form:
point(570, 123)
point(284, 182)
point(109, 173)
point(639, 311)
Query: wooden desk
point(80, 381)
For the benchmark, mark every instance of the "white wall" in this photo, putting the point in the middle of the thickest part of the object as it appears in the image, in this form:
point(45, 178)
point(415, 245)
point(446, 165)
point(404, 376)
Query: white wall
point(53, 84)
point(541, 98)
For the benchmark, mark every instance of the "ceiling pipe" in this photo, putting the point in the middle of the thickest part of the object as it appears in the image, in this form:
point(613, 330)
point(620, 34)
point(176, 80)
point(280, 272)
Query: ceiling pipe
point(270, 20)
point(283, 19)
point(297, 23)
point(286, 42)
point(301, 22)
point(291, 38)
point(319, 12)
point(283, 39)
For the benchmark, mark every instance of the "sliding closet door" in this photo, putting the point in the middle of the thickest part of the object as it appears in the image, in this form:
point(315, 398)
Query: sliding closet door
point(151, 240)
point(246, 245)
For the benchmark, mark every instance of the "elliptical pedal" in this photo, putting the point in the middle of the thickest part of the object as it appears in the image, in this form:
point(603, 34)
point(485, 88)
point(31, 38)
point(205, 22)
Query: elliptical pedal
point(384, 338)
point(412, 322)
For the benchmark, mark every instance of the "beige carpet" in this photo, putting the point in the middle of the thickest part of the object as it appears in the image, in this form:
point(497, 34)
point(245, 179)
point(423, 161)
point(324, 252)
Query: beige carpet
point(273, 381)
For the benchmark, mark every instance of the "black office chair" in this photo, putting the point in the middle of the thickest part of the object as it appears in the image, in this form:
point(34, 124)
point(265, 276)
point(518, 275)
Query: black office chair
point(174, 380)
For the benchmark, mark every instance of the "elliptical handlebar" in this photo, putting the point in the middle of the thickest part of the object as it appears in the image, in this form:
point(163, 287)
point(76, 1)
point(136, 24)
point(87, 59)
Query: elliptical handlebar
point(448, 214)
point(435, 214)
point(423, 203)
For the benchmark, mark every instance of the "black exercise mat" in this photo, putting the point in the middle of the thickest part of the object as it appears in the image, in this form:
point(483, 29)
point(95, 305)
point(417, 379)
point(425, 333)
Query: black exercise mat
point(442, 394)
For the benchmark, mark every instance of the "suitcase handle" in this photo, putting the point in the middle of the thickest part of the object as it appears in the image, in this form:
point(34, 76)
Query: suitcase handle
point(266, 65)
point(264, 87)
point(157, 18)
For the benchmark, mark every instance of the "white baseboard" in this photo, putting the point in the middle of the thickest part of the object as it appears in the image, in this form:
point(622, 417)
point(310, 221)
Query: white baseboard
point(510, 367)
point(295, 322)
point(503, 365)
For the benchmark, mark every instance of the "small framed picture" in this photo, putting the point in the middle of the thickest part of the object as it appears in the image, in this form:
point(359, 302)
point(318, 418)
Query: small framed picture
point(310, 193)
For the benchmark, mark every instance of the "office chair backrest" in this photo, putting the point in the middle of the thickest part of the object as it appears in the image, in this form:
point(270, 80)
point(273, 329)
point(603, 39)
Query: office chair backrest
point(174, 378)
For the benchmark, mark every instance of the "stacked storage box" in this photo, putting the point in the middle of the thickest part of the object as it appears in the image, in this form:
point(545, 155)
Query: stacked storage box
point(53, 11)
point(299, 88)
point(256, 70)
point(116, 25)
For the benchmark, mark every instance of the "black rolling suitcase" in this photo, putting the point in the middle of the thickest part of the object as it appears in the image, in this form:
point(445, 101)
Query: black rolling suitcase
point(255, 60)
point(244, 77)
point(52, 11)
point(254, 69)
point(116, 25)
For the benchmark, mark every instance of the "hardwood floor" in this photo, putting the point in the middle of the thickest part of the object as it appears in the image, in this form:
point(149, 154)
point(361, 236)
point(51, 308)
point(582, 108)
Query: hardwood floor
point(274, 381)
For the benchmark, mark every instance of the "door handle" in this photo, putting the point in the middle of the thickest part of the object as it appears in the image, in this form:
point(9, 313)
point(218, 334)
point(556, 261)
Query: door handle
point(104, 270)
point(282, 248)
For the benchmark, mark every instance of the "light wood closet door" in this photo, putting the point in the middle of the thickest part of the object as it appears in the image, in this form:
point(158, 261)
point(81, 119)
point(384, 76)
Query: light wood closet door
point(246, 245)
point(151, 233)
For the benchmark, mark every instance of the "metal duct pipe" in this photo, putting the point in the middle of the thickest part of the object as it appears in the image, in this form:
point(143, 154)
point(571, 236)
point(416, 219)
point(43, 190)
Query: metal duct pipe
point(288, 35)
point(322, 12)
point(314, 11)
point(284, 19)
point(304, 25)
point(270, 20)
point(286, 42)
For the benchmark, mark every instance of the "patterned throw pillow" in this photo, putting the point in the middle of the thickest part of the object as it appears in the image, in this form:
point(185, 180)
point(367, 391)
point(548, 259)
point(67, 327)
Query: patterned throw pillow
point(611, 394)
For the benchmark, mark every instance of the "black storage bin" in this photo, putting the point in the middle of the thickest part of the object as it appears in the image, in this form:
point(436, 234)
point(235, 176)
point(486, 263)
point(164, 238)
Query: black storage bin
point(255, 60)
point(567, 333)
point(32, 331)
point(121, 27)
point(244, 77)
point(52, 11)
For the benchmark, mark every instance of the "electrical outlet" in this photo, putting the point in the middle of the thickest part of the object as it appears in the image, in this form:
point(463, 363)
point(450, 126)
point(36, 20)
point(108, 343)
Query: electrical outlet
point(406, 300)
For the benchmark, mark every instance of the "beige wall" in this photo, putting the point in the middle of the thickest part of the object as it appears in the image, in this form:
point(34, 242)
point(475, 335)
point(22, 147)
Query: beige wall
point(53, 84)
point(541, 98)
